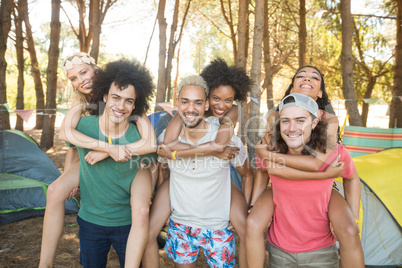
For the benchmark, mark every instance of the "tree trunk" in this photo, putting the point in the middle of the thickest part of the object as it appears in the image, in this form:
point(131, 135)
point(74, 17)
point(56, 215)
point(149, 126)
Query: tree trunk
point(173, 43)
point(229, 21)
point(95, 26)
point(268, 85)
point(241, 60)
point(6, 8)
point(302, 33)
point(51, 78)
point(19, 41)
point(161, 86)
point(395, 119)
point(347, 65)
point(40, 98)
point(253, 126)
point(367, 95)
point(98, 10)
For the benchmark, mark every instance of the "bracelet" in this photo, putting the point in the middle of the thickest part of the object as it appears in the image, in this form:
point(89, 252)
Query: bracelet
point(174, 155)
point(357, 221)
point(228, 123)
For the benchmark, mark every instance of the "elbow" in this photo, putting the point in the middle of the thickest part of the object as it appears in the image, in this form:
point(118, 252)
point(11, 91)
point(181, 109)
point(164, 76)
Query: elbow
point(62, 136)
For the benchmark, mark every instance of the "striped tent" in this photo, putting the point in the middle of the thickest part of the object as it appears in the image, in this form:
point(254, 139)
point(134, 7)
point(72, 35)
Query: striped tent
point(363, 140)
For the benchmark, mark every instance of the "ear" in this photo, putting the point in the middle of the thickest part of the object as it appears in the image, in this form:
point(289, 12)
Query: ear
point(319, 94)
point(314, 123)
point(105, 97)
point(207, 105)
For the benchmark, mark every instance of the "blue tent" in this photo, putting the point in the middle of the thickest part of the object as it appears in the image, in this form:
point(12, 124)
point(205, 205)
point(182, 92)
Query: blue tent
point(25, 173)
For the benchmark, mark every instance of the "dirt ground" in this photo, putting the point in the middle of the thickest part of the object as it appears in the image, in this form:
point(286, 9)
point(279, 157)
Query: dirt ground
point(20, 241)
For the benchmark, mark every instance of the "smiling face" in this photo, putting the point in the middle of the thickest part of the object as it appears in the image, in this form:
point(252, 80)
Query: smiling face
point(296, 125)
point(308, 81)
point(120, 103)
point(81, 76)
point(191, 105)
point(221, 100)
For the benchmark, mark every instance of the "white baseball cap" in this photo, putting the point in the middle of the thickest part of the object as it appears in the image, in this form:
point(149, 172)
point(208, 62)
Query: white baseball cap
point(300, 100)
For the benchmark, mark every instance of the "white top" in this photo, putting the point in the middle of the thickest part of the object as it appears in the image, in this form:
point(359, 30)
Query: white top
point(200, 186)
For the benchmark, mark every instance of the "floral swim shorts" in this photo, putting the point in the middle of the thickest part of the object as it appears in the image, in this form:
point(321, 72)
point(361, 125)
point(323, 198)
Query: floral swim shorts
point(183, 245)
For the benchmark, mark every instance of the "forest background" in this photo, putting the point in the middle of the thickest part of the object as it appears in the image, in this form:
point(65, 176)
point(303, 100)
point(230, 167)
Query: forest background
point(357, 47)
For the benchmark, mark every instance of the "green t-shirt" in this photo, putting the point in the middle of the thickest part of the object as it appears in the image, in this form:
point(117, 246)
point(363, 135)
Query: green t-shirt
point(105, 186)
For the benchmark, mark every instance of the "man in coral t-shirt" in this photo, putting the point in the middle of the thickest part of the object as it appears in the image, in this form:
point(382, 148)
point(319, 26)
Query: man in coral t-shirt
point(299, 235)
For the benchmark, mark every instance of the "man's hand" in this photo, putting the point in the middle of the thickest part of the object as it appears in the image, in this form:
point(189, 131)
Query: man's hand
point(94, 157)
point(119, 153)
point(229, 153)
point(164, 151)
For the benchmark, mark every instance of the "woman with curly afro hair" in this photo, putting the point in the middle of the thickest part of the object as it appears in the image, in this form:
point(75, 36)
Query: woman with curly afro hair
point(226, 84)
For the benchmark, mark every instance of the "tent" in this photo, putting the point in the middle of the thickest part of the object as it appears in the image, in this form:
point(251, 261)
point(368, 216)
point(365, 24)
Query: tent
point(25, 173)
point(380, 208)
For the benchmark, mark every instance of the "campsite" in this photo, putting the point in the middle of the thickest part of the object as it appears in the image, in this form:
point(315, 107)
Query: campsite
point(380, 220)
point(21, 240)
point(355, 45)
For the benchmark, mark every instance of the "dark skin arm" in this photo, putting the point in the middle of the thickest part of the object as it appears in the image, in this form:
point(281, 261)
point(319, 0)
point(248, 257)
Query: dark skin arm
point(216, 147)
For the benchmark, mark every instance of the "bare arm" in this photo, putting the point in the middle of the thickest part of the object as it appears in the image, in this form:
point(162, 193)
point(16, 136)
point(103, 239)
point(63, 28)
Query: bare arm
point(247, 179)
point(289, 173)
point(225, 133)
point(117, 152)
point(305, 162)
point(352, 193)
point(147, 143)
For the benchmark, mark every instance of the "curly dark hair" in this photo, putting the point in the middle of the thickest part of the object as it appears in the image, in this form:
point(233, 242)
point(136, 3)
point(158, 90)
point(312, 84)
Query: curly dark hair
point(218, 73)
point(123, 72)
point(317, 141)
point(323, 103)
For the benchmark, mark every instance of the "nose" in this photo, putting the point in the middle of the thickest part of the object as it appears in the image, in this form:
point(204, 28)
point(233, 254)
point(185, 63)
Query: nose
point(293, 125)
point(307, 78)
point(190, 107)
point(119, 104)
point(221, 105)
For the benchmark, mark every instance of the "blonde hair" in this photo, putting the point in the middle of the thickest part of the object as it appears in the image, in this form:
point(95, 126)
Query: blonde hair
point(193, 80)
point(79, 58)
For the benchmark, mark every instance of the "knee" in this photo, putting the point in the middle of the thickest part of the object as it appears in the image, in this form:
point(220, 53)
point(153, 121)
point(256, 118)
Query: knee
point(54, 194)
point(349, 233)
point(253, 226)
point(141, 214)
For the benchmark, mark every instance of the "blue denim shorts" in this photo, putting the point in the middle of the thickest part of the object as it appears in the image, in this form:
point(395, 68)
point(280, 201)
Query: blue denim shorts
point(95, 242)
point(183, 245)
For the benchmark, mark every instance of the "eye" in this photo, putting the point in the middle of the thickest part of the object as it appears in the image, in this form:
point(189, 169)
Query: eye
point(300, 121)
point(229, 100)
point(184, 102)
point(284, 121)
point(83, 72)
point(198, 103)
point(216, 99)
point(73, 79)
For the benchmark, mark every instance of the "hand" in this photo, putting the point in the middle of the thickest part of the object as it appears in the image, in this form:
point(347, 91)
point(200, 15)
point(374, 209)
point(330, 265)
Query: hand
point(119, 153)
point(335, 169)
point(228, 153)
point(331, 227)
point(231, 228)
point(94, 157)
point(164, 151)
point(73, 193)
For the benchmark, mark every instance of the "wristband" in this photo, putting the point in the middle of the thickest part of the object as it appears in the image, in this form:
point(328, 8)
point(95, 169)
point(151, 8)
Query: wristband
point(357, 221)
point(228, 123)
point(174, 155)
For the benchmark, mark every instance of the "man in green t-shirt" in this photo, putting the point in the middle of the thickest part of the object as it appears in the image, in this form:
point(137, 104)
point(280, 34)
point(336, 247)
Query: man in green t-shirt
point(121, 91)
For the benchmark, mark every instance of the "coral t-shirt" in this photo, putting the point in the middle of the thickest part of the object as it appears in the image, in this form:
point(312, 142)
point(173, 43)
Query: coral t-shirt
point(300, 222)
